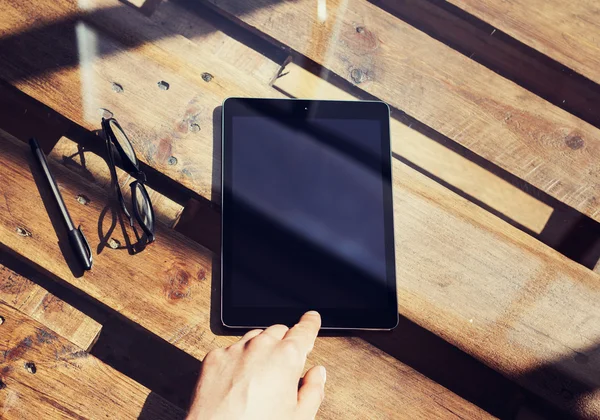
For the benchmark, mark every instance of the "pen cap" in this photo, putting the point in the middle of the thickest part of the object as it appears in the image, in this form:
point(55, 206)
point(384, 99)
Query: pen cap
point(81, 248)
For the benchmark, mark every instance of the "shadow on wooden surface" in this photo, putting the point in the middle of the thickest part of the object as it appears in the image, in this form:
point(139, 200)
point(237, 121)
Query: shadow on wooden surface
point(232, 30)
point(52, 46)
point(25, 117)
point(568, 231)
point(172, 373)
point(502, 54)
point(155, 409)
point(216, 161)
point(571, 390)
point(146, 7)
point(122, 344)
point(216, 326)
point(201, 219)
point(466, 376)
point(450, 367)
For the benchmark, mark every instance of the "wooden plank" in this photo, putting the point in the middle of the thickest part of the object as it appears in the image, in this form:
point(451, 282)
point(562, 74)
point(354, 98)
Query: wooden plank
point(569, 34)
point(67, 382)
point(443, 89)
point(166, 288)
point(54, 314)
point(431, 156)
point(183, 18)
point(108, 59)
point(93, 167)
point(504, 55)
point(496, 293)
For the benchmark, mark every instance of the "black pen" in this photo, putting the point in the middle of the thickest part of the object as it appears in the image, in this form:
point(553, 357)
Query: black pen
point(77, 240)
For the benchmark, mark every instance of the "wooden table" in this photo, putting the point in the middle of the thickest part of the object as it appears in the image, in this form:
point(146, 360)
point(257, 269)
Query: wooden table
point(495, 131)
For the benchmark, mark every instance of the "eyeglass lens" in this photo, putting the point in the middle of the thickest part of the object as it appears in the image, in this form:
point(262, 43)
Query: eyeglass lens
point(143, 206)
point(123, 141)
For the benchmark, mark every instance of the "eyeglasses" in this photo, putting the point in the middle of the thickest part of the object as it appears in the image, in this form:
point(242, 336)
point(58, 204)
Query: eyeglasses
point(117, 141)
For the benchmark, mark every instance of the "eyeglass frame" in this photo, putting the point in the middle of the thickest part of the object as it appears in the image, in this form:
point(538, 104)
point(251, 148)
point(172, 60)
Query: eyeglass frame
point(132, 168)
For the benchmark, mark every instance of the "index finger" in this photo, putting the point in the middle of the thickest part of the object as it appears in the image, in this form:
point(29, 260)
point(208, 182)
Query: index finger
point(305, 331)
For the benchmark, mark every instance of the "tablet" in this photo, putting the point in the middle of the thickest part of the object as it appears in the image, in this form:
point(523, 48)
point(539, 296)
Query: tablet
point(307, 218)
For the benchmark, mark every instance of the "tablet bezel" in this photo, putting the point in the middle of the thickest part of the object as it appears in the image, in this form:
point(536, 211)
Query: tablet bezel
point(384, 318)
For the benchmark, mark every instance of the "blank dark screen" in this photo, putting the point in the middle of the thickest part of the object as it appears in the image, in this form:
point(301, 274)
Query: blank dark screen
point(307, 215)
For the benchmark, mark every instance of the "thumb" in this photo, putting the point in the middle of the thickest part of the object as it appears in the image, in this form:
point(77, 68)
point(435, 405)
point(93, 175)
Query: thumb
point(311, 393)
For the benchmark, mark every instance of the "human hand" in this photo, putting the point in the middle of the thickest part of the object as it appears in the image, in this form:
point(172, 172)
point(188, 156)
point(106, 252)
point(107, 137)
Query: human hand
point(258, 378)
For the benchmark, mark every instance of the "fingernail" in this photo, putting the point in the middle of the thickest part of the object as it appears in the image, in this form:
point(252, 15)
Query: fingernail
point(323, 373)
point(312, 313)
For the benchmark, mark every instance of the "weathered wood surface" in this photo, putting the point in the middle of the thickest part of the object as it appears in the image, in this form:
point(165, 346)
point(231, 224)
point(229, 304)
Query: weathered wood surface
point(56, 315)
point(445, 280)
point(44, 376)
point(496, 50)
point(185, 18)
point(485, 233)
point(166, 288)
point(567, 32)
point(438, 160)
point(498, 294)
point(105, 58)
point(491, 116)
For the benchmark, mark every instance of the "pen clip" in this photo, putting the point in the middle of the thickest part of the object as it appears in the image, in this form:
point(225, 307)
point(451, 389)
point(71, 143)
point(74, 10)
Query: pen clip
point(88, 249)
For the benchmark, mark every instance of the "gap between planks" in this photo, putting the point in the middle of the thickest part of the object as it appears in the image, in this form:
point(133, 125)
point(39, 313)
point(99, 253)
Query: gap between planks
point(35, 302)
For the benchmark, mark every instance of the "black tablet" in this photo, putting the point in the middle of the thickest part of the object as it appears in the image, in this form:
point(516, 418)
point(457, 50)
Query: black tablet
point(307, 218)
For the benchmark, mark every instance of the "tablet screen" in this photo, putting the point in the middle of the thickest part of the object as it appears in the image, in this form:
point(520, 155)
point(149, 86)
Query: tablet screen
point(305, 195)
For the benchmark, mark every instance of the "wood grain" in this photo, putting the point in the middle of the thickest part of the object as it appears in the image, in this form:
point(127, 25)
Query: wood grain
point(496, 293)
point(45, 308)
point(108, 59)
point(441, 88)
point(502, 54)
point(569, 33)
point(168, 289)
point(68, 382)
point(431, 156)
